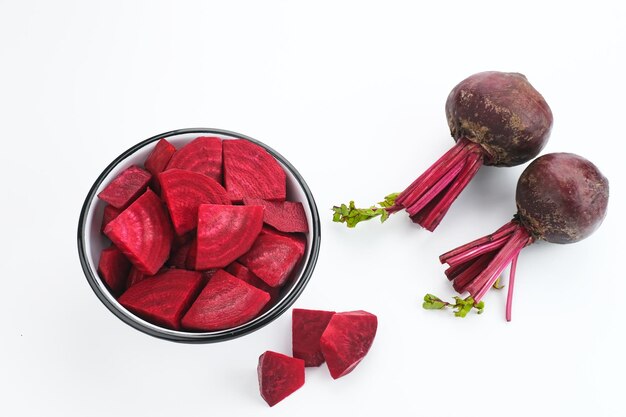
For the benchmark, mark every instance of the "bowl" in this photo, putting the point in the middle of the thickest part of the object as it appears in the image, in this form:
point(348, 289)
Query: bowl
point(91, 241)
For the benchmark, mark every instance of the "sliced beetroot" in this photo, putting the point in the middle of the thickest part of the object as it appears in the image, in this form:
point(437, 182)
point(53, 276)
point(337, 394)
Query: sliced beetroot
point(225, 233)
point(184, 191)
point(113, 268)
point(346, 340)
point(134, 277)
point(109, 214)
point(143, 232)
point(192, 254)
point(250, 171)
point(178, 256)
point(307, 327)
point(279, 376)
point(273, 257)
point(163, 298)
point(243, 273)
point(202, 155)
point(226, 301)
point(286, 216)
point(126, 187)
point(159, 157)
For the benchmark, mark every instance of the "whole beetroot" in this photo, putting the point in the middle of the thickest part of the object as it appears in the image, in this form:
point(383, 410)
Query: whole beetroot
point(496, 118)
point(561, 198)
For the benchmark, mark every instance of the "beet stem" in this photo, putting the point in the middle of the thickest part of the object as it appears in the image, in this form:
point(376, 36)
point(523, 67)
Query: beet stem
point(505, 230)
point(476, 251)
point(509, 297)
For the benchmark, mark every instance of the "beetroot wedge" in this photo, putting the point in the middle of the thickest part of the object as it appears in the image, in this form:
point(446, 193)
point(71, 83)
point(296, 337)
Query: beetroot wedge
point(286, 216)
point(250, 171)
point(184, 191)
point(159, 157)
point(279, 376)
point(143, 233)
point(163, 298)
point(109, 214)
point(113, 268)
point(307, 327)
point(243, 273)
point(226, 301)
point(225, 233)
point(346, 340)
point(134, 277)
point(273, 257)
point(202, 155)
point(126, 187)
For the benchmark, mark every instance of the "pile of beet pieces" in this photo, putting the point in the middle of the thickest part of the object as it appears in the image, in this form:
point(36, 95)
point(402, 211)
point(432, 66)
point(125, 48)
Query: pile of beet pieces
point(203, 238)
point(340, 339)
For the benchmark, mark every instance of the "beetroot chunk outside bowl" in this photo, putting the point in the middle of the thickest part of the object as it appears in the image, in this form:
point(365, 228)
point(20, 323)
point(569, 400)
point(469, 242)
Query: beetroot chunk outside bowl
point(139, 231)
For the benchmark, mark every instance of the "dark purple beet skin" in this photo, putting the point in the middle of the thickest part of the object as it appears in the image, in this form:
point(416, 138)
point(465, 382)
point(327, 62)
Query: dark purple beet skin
point(496, 118)
point(562, 198)
point(503, 113)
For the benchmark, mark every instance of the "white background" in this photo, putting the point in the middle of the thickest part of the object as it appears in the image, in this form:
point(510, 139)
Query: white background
point(352, 93)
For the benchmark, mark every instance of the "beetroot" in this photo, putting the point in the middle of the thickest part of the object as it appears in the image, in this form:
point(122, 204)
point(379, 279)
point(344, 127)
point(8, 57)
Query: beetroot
point(307, 329)
point(273, 257)
point(134, 276)
point(561, 198)
point(126, 187)
point(225, 302)
point(202, 155)
point(496, 119)
point(143, 233)
point(184, 191)
point(250, 171)
point(163, 298)
point(285, 216)
point(225, 233)
point(244, 274)
point(159, 157)
point(113, 268)
point(109, 214)
point(346, 340)
point(279, 376)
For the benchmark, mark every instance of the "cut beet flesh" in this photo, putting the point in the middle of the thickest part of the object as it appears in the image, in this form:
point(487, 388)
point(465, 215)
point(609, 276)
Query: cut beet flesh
point(109, 214)
point(273, 257)
point(159, 157)
point(243, 273)
point(163, 298)
point(184, 191)
point(134, 277)
point(179, 255)
point(202, 155)
point(113, 268)
point(143, 232)
point(286, 216)
point(346, 340)
point(126, 187)
point(307, 327)
point(225, 233)
point(279, 376)
point(226, 301)
point(250, 171)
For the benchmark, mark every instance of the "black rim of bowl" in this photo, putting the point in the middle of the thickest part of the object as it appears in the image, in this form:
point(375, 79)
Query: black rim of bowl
point(206, 337)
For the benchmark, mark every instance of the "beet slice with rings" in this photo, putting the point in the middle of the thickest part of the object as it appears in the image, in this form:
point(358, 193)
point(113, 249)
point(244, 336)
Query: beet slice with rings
point(163, 298)
point(184, 191)
point(225, 233)
point(160, 156)
point(113, 268)
point(279, 376)
point(143, 233)
point(286, 216)
point(307, 327)
point(202, 155)
point(109, 214)
point(126, 187)
point(346, 340)
point(225, 302)
point(273, 257)
point(250, 171)
point(244, 274)
point(134, 277)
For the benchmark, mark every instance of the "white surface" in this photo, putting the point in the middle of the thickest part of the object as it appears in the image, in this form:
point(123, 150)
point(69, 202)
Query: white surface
point(352, 94)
